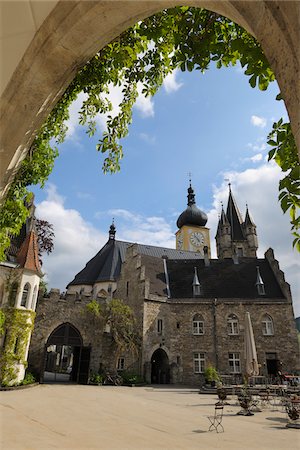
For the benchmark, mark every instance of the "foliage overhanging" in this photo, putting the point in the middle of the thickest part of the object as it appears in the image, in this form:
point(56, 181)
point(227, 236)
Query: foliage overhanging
point(179, 38)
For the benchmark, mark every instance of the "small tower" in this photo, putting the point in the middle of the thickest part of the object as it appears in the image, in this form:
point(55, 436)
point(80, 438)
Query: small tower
point(192, 235)
point(250, 232)
point(18, 304)
point(234, 237)
point(223, 237)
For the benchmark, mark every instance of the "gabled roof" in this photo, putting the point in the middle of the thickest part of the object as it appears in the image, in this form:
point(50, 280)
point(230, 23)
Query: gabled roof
point(27, 256)
point(221, 279)
point(106, 264)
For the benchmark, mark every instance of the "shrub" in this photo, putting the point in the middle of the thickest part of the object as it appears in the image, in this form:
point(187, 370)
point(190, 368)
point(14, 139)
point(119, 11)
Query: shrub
point(29, 379)
point(132, 378)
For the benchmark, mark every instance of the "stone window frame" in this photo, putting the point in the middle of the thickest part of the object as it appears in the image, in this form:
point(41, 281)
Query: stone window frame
point(198, 362)
point(267, 325)
point(121, 363)
point(198, 325)
point(233, 326)
point(234, 362)
point(26, 293)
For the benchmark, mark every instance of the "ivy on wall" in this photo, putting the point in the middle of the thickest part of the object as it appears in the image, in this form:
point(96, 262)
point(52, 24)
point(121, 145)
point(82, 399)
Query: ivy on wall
point(17, 326)
point(181, 38)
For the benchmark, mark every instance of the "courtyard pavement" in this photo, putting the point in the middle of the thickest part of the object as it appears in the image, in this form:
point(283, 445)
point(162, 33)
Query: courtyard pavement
point(60, 416)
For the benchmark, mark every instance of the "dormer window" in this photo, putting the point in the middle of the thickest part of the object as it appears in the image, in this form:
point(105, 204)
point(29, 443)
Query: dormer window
point(259, 283)
point(196, 284)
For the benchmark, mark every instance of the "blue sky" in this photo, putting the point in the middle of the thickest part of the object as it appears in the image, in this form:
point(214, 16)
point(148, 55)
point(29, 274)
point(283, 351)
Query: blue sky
point(213, 125)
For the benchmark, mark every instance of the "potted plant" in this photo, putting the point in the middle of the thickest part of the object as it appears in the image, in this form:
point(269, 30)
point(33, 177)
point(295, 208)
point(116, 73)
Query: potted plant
point(96, 379)
point(211, 375)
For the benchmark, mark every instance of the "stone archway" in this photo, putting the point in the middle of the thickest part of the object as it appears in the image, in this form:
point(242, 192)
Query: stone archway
point(72, 32)
point(160, 368)
point(65, 358)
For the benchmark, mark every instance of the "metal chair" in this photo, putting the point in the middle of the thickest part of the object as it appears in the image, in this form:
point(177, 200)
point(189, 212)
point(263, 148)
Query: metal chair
point(216, 420)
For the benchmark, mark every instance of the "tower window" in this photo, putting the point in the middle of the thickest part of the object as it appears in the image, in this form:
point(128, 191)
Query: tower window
point(25, 294)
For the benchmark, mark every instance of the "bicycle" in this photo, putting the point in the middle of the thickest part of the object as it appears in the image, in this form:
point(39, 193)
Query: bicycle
point(115, 380)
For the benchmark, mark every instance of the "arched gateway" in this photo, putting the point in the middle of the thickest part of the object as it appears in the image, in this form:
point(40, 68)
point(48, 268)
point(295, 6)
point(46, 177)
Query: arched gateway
point(65, 358)
point(160, 369)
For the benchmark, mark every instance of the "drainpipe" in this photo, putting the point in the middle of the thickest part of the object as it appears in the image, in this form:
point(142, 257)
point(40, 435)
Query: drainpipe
point(215, 332)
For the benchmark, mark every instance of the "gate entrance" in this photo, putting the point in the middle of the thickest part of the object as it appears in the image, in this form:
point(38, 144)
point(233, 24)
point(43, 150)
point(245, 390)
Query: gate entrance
point(66, 360)
point(160, 369)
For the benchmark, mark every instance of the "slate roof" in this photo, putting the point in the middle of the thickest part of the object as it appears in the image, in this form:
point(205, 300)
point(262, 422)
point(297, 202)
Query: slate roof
point(222, 279)
point(106, 264)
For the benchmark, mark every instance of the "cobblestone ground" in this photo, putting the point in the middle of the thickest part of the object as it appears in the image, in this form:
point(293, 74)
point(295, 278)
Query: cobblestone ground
point(57, 416)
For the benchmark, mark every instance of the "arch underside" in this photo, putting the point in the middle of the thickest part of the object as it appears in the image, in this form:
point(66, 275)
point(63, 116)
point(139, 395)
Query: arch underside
point(74, 31)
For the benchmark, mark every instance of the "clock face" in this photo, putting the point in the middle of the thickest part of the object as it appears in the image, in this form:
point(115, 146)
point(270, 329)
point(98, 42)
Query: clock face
point(197, 239)
point(180, 241)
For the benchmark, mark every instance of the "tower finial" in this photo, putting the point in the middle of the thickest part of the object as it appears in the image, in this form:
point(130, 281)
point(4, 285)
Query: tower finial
point(112, 231)
point(229, 184)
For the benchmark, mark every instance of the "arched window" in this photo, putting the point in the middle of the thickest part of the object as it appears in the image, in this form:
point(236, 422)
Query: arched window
point(25, 294)
point(198, 324)
point(34, 297)
point(267, 325)
point(233, 325)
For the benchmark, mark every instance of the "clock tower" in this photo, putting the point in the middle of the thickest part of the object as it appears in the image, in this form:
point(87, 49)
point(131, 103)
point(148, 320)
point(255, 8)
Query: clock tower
point(192, 235)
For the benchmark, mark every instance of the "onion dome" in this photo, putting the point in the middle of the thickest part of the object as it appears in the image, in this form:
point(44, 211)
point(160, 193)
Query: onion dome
point(192, 215)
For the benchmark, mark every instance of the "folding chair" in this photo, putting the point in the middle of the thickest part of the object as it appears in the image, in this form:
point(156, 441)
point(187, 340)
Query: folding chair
point(216, 420)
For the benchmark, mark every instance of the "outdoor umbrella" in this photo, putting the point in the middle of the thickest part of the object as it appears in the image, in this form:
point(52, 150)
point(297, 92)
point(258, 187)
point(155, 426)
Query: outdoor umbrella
point(252, 369)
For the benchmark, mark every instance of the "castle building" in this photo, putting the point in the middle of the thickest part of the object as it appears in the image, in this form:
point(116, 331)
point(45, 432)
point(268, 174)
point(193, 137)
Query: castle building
point(190, 309)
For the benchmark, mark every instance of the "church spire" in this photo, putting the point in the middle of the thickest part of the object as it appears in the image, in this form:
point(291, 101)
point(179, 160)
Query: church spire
point(234, 217)
point(233, 235)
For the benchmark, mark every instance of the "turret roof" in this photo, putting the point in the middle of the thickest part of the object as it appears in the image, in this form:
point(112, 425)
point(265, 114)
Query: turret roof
point(28, 255)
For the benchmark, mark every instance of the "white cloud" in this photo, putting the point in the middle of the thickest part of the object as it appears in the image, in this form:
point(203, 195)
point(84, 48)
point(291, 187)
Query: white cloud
point(170, 82)
point(256, 158)
point(144, 230)
point(147, 138)
point(144, 104)
point(75, 242)
point(257, 121)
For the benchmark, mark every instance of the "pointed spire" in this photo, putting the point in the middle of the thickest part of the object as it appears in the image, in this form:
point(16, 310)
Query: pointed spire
point(259, 283)
point(235, 219)
point(223, 217)
point(28, 254)
point(112, 231)
point(248, 221)
point(196, 284)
